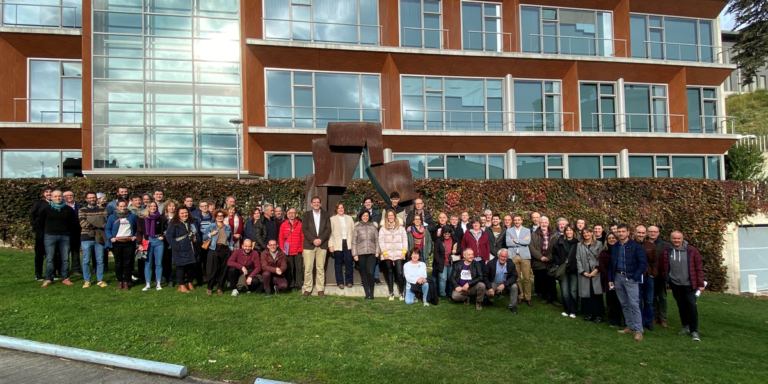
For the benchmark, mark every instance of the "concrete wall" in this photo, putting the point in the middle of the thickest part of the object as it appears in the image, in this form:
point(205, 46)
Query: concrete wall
point(731, 251)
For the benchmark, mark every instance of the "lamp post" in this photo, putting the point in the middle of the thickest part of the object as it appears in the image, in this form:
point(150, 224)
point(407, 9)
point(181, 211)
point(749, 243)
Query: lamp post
point(237, 122)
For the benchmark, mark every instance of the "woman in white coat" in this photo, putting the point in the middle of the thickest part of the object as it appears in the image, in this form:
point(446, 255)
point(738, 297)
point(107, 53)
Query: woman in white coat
point(393, 242)
point(340, 245)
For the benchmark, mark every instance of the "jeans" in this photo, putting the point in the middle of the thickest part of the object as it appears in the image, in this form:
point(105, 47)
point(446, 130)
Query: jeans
point(570, 290)
point(628, 291)
point(155, 250)
point(660, 299)
point(445, 281)
point(343, 264)
point(646, 300)
point(376, 272)
point(52, 242)
point(91, 247)
point(685, 296)
point(410, 297)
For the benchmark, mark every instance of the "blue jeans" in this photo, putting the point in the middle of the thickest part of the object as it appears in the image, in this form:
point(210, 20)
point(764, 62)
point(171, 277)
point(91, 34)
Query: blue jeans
point(91, 248)
point(410, 297)
point(445, 281)
point(376, 272)
point(51, 243)
point(154, 256)
point(570, 290)
point(628, 291)
point(646, 300)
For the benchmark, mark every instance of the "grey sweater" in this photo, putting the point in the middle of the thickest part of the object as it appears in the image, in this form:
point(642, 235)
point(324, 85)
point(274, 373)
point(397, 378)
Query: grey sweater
point(678, 267)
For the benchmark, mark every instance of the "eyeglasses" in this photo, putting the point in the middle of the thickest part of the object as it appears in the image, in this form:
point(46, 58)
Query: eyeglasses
point(217, 216)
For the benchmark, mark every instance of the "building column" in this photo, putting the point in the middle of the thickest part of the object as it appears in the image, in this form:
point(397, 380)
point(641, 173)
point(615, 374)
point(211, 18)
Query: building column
point(620, 106)
point(509, 103)
point(510, 166)
point(624, 163)
point(388, 157)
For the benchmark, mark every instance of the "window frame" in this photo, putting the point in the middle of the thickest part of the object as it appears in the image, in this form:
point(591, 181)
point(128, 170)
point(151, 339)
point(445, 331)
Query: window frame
point(61, 89)
point(667, 115)
point(293, 161)
point(565, 167)
point(500, 18)
point(441, 30)
point(558, 128)
point(715, 38)
point(670, 168)
point(616, 101)
point(61, 159)
point(445, 156)
point(702, 101)
point(613, 39)
point(311, 23)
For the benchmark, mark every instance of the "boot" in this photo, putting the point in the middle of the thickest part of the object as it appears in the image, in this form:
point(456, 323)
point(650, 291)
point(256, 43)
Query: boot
point(190, 287)
point(183, 288)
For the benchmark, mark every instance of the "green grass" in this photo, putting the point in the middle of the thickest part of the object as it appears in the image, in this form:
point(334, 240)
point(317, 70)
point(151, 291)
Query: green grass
point(750, 110)
point(347, 340)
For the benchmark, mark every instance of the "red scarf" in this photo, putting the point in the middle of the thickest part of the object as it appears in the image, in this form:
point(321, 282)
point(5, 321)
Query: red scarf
point(418, 237)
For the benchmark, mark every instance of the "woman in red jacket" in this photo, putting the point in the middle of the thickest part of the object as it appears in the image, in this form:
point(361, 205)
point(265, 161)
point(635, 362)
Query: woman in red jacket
point(477, 240)
point(235, 222)
point(291, 240)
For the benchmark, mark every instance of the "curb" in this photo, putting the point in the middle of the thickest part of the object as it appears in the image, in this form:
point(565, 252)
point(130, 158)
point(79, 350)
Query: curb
point(87, 356)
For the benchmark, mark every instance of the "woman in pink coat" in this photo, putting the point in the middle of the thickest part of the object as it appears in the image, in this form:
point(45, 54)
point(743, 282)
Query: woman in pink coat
point(393, 242)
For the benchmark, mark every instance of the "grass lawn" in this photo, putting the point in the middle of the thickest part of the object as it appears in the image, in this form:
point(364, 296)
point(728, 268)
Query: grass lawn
point(348, 340)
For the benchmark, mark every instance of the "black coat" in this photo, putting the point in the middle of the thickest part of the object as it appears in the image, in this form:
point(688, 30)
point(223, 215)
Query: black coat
point(559, 255)
point(489, 273)
point(441, 253)
point(476, 269)
point(458, 233)
point(182, 247)
point(497, 243)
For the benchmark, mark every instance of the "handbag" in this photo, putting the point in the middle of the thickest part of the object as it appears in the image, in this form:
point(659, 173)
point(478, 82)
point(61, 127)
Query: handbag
point(141, 254)
point(206, 244)
point(557, 271)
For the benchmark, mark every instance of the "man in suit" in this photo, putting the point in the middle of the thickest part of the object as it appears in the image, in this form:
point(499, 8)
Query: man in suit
point(316, 227)
point(458, 230)
point(518, 238)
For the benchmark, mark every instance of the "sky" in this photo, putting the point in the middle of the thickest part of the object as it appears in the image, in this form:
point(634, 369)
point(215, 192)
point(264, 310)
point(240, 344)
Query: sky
point(726, 21)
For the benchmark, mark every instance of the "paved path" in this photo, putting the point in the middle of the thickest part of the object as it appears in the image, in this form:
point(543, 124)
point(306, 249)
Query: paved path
point(22, 367)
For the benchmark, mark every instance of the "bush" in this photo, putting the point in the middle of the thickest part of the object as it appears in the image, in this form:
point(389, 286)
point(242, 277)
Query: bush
point(745, 162)
point(698, 208)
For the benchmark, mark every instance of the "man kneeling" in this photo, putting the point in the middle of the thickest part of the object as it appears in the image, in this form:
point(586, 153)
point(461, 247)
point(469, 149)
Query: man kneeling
point(244, 269)
point(467, 277)
point(501, 275)
point(274, 263)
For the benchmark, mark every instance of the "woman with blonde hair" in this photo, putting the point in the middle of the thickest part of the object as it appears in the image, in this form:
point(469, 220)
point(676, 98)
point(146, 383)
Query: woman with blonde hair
point(393, 242)
point(340, 245)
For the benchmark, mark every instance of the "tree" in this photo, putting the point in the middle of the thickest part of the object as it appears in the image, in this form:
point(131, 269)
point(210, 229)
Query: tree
point(744, 162)
point(752, 46)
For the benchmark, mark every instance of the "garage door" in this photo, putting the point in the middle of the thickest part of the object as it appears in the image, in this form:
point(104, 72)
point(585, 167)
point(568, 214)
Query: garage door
point(753, 256)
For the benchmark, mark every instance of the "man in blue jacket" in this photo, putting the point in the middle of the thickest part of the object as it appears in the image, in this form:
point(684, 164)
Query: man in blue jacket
point(628, 263)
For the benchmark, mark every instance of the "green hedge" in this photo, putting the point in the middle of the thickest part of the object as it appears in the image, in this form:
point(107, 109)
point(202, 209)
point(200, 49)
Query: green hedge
point(698, 208)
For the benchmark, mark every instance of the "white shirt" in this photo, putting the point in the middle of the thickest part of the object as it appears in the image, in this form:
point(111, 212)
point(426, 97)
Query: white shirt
point(463, 226)
point(316, 215)
point(343, 224)
point(517, 235)
point(125, 228)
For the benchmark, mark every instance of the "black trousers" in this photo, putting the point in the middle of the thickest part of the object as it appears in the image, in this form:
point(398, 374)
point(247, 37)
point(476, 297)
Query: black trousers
point(367, 265)
point(235, 274)
point(201, 268)
point(184, 273)
point(124, 253)
point(394, 273)
point(685, 296)
point(168, 265)
point(216, 269)
point(546, 286)
point(74, 253)
point(615, 313)
point(39, 253)
point(295, 271)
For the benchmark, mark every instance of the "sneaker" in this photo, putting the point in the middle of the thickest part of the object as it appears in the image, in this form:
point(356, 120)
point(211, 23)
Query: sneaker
point(695, 336)
point(597, 320)
point(102, 284)
point(572, 315)
point(513, 310)
point(277, 291)
point(39, 278)
point(391, 297)
point(626, 331)
point(146, 288)
point(402, 297)
point(565, 314)
point(47, 283)
point(235, 292)
point(268, 293)
point(638, 336)
point(87, 284)
point(134, 278)
point(159, 287)
point(426, 304)
point(67, 282)
point(684, 331)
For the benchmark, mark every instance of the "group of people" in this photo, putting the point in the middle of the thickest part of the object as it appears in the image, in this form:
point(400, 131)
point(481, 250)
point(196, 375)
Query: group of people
point(273, 251)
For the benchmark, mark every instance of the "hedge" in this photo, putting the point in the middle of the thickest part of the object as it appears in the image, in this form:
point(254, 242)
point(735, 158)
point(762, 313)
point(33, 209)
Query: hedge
point(698, 208)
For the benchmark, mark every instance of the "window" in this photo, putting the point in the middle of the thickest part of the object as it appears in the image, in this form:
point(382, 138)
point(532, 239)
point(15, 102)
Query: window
point(481, 26)
point(314, 99)
point(702, 110)
point(537, 105)
point(671, 38)
point(697, 167)
point(592, 167)
point(540, 167)
point(646, 107)
point(166, 82)
point(288, 165)
point(598, 107)
point(421, 24)
point(331, 21)
point(41, 164)
point(567, 31)
point(439, 166)
point(55, 91)
point(42, 13)
point(452, 104)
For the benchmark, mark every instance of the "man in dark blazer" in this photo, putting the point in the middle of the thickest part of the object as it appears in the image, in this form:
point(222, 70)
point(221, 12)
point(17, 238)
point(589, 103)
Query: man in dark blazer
point(316, 227)
point(500, 275)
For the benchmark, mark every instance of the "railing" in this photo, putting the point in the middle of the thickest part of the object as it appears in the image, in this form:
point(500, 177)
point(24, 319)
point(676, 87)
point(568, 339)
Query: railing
point(62, 115)
point(445, 120)
point(696, 52)
point(309, 29)
point(54, 15)
point(593, 45)
point(319, 117)
point(499, 41)
point(641, 122)
point(761, 142)
point(427, 32)
point(714, 124)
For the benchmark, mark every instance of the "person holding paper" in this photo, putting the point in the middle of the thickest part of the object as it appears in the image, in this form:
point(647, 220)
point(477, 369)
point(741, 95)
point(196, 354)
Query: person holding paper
point(683, 269)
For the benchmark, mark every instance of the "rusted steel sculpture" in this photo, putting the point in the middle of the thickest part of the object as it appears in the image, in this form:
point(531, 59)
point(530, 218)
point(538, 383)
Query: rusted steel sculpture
point(337, 155)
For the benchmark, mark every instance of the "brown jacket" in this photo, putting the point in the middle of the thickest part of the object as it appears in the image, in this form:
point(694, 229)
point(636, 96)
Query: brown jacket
point(311, 233)
point(653, 258)
point(270, 265)
point(537, 242)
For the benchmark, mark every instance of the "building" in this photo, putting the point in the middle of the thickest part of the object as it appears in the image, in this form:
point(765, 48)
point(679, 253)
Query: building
point(733, 82)
point(471, 89)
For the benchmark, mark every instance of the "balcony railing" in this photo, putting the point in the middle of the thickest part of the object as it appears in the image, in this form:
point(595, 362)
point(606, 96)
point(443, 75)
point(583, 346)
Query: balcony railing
point(318, 117)
point(496, 40)
point(494, 121)
point(49, 110)
point(683, 52)
point(39, 15)
point(576, 45)
point(434, 34)
point(638, 122)
point(713, 124)
point(295, 30)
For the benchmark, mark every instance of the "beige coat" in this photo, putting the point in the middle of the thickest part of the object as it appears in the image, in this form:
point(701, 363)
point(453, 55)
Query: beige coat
point(337, 234)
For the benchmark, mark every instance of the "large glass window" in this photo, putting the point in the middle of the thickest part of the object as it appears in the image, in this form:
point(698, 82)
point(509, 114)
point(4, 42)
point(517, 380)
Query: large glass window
point(452, 104)
point(42, 13)
point(55, 91)
point(592, 166)
point(331, 21)
point(439, 166)
point(166, 82)
point(481, 26)
point(314, 99)
point(697, 167)
point(598, 107)
point(702, 110)
point(571, 166)
point(540, 167)
point(672, 38)
point(41, 164)
point(567, 31)
point(421, 23)
point(288, 165)
point(646, 107)
point(538, 105)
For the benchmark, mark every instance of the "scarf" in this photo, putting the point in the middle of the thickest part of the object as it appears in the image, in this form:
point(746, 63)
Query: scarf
point(122, 215)
point(149, 223)
point(418, 237)
point(545, 243)
point(57, 207)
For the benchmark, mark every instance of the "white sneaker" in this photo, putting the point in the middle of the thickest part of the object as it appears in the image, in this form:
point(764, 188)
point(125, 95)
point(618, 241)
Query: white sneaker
point(402, 297)
point(426, 304)
point(392, 297)
point(573, 315)
point(146, 287)
point(158, 287)
point(134, 278)
point(235, 292)
point(564, 314)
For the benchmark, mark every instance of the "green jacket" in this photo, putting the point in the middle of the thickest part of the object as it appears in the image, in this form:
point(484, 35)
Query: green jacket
point(427, 249)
